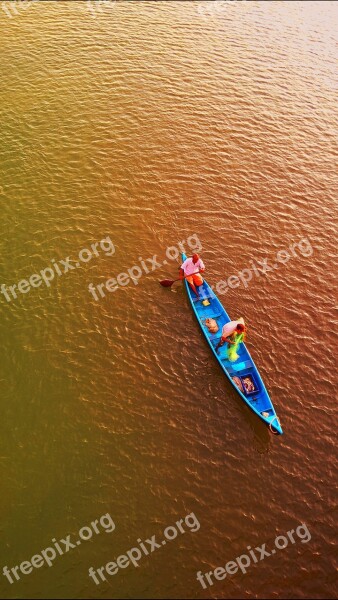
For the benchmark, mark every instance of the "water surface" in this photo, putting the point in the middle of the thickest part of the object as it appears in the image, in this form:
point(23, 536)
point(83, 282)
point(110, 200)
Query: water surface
point(150, 123)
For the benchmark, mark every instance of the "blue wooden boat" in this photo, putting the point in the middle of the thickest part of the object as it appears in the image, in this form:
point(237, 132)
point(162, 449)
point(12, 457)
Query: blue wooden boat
point(242, 373)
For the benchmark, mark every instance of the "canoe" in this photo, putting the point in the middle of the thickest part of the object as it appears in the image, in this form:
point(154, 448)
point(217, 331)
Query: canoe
point(242, 373)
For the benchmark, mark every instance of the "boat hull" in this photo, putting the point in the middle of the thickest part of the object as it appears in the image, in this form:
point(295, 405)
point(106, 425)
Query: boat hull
point(242, 373)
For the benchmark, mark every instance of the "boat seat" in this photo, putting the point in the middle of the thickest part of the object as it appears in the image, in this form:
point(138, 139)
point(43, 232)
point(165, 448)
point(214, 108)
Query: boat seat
point(216, 316)
point(244, 364)
point(229, 369)
point(202, 298)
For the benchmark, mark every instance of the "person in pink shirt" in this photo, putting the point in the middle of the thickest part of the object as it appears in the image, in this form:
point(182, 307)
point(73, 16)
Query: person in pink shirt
point(190, 270)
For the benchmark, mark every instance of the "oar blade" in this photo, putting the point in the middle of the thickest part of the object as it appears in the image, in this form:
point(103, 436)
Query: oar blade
point(167, 282)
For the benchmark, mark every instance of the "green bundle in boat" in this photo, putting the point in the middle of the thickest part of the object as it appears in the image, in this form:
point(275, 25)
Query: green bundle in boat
point(237, 339)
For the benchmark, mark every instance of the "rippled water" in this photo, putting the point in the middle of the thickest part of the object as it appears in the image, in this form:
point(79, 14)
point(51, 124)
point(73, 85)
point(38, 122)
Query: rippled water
point(149, 122)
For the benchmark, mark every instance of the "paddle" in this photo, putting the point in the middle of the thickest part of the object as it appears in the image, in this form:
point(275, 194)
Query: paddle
point(169, 282)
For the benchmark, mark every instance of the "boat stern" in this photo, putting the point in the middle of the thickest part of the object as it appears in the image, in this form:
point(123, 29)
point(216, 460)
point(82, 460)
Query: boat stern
point(274, 425)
